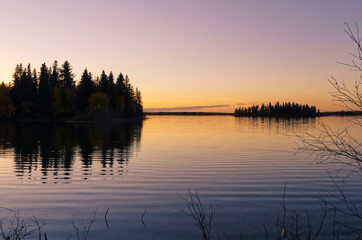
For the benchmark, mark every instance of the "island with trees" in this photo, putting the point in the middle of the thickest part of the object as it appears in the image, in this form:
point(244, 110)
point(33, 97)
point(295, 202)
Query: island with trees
point(52, 93)
point(284, 110)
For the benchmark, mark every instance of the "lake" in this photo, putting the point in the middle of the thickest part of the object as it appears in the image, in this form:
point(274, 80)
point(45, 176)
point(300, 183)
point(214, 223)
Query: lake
point(64, 173)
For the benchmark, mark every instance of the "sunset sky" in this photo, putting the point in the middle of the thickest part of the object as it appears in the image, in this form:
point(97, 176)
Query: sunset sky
point(199, 55)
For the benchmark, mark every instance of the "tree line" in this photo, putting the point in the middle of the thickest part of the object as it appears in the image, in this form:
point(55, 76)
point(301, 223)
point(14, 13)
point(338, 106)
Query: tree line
point(53, 93)
point(285, 109)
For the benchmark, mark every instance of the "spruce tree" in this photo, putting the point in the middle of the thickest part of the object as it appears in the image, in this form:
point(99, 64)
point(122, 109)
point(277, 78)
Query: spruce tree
point(85, 90)
point(111, 79)
point(44, 99)
point(104, 84)
point(111, 90)
point(120, 85)
point(31, 86)
point(16, 90)
point(66, 75)
point(35, 78)
point(54, 77)
point(139, 107)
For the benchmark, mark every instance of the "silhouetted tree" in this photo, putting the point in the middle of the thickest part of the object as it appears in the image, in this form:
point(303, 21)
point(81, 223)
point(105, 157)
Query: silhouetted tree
point(120, 93)
point(85, 90)
point(129, 95)
point(111, 79)
point(67, 91)
point(139, 104)
point(45, 97)
point(7, 108)
point(66, 75)
point(104, 84)
point(31, 86)
point(120, 85)
point(35, 78)
point(54, 77)
point(112, 91)
point(24, 91)
point(17, 89)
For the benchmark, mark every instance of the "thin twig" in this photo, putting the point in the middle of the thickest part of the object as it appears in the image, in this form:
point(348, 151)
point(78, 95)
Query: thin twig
point(105, 218)
point(143, 222)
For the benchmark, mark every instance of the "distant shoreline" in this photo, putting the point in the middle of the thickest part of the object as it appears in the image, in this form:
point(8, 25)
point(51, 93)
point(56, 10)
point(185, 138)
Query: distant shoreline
point(322, 114)
point(340, 113)
point(189, 113)
point(125, 120)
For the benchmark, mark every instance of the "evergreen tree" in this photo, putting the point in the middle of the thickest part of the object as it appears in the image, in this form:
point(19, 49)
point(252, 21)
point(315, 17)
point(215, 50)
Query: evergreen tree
point(130, 103)
point(7, 108)
point(44, 99)
point(65, 104)
point(24, 91)
point(31, 85)
point(85, 90)
point(139, 107)
point(111, 79)
point(112, 91)
point(120, 85)
point(104, 84)
point(66, 76)
point(17, 74)
point(35, 78)
point(54, 77)
point(16, 90)
point(120, 90)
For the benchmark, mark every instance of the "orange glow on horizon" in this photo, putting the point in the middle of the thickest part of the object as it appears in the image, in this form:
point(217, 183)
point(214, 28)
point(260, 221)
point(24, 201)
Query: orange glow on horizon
point(187, 54)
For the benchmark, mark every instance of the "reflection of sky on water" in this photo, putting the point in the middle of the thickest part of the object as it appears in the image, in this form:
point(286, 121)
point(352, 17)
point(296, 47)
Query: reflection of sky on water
point(238, 164)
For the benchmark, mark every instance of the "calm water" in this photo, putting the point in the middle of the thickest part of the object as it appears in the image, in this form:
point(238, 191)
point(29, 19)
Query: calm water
point(66, 172)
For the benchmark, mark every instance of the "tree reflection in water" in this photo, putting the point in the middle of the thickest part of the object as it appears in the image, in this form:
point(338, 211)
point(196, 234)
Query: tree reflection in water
point(49, 151)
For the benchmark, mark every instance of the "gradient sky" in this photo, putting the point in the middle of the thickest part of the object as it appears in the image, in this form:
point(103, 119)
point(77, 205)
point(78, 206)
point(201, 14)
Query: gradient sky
point(190, 53)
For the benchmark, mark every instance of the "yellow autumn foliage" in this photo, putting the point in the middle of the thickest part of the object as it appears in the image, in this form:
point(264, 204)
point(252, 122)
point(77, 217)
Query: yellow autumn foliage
point(63, 101)
point(97, 101)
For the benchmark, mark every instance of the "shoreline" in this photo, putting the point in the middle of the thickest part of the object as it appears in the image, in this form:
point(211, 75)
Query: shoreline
point(144, 117)
point(60, 120)
point(322, 114)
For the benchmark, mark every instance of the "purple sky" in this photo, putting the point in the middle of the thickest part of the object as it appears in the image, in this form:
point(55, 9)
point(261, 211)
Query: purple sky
point(189, 53)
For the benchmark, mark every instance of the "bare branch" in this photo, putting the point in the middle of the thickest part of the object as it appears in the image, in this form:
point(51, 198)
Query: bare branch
point(202, 217)
point(83, 234)
point(340, 148)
